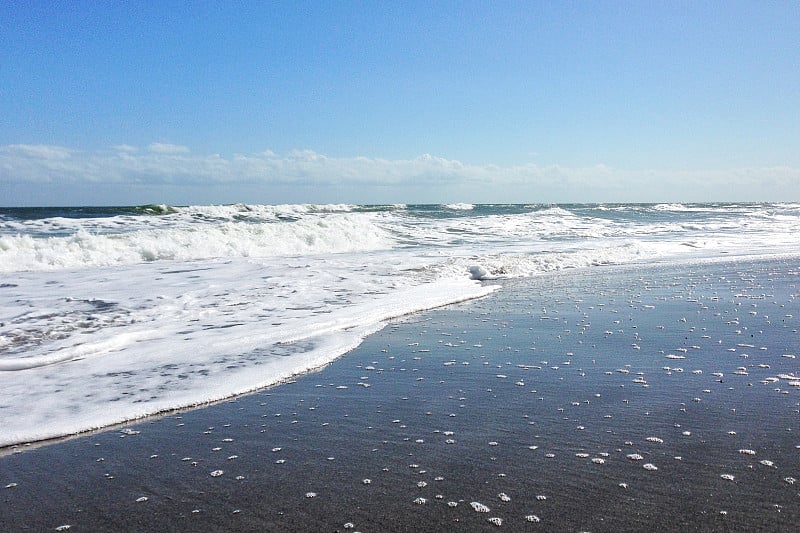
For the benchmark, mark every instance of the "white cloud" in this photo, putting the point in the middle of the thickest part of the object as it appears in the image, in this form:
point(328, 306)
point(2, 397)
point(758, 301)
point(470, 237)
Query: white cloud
point(430, 177)
point(36, 151)
point(125, 148)
point(164, 148)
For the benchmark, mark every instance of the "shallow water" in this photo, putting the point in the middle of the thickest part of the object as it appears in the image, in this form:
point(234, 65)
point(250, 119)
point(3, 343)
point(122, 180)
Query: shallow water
point(513, 401)
point(112, 314)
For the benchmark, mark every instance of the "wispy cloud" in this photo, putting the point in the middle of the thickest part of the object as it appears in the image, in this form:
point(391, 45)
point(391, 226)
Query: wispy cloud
point(164, 148)
point(125, 148)
point(177, 166)
point(36, 151)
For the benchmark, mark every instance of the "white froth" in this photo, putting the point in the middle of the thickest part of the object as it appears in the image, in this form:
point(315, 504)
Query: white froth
point(104, 320)
point(89, 350)
point(187, 241)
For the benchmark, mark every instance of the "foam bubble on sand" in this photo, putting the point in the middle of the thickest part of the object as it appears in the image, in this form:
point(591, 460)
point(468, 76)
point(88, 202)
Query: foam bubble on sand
point(479, 507)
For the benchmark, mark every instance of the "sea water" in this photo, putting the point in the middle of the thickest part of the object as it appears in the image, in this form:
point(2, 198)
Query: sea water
point(112, 314)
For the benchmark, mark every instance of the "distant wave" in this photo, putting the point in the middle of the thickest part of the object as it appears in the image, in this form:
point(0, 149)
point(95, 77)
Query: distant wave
point(155, 209)
point(184, 242)
point(670, 207)
point(76, 237)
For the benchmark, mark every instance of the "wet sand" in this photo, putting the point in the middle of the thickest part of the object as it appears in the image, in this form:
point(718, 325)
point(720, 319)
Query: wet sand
point(610, 399)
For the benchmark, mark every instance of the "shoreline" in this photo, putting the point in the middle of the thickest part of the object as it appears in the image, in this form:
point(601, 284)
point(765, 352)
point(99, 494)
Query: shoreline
point(498, 283)
point(248, 371)
point(513, 401)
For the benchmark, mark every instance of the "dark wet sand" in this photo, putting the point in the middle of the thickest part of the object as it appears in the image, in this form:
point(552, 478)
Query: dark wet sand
point(528, 402)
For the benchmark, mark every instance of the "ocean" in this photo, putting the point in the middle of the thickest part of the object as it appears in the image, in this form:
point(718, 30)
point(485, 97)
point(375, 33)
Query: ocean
point(112, 314)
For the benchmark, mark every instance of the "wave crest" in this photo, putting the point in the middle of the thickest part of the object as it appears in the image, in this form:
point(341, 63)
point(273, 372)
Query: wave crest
point(331, 234)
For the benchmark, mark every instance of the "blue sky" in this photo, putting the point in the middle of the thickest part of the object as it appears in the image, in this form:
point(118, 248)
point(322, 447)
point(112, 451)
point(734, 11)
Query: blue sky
point(390, 102)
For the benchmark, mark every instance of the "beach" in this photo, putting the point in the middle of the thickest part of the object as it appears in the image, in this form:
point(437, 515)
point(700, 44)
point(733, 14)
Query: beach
point(626, 398)
point(399, 267)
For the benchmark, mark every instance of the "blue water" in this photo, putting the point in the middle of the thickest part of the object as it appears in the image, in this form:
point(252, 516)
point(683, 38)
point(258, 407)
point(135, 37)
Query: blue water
point(152, 308)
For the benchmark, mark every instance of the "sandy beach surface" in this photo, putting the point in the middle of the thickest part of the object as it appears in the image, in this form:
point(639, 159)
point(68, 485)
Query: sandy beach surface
point(605, 399)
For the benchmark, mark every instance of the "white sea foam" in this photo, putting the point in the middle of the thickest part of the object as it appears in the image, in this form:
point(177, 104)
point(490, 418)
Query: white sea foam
point(109, 318)
point(670, 207)
point(331, 234)
point(153, 337)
